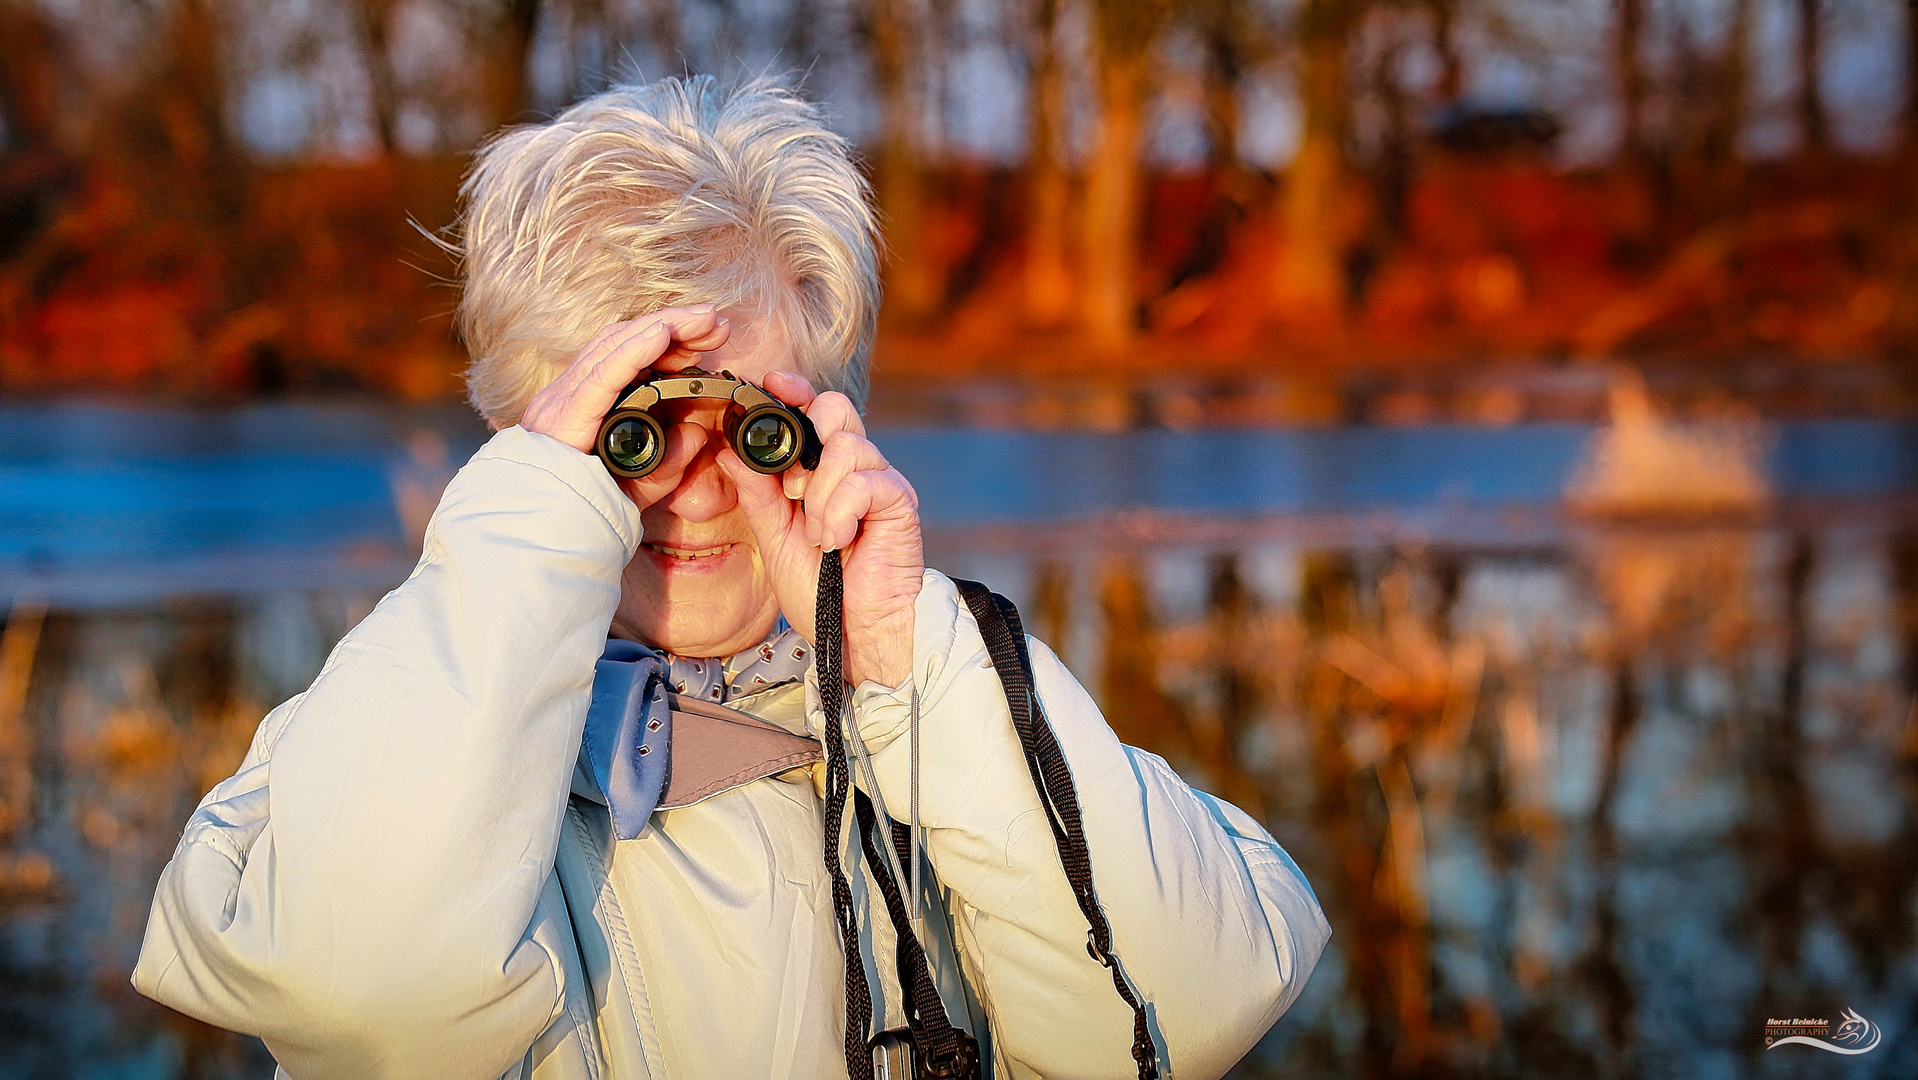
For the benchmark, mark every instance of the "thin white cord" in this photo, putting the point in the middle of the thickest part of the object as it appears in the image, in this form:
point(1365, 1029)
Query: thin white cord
point(864, 757)
point(913, 729)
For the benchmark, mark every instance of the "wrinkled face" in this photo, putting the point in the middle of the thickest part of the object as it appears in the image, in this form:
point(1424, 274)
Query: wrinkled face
point(697, 586)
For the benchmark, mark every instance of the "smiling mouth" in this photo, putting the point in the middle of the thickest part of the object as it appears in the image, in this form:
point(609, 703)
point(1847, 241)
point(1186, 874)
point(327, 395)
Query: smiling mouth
point(688, 554)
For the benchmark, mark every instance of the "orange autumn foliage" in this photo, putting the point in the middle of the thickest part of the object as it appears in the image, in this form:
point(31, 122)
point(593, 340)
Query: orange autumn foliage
point(308, 277)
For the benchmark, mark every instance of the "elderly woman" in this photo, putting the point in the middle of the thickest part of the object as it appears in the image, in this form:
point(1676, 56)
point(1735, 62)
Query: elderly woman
point(425, 865)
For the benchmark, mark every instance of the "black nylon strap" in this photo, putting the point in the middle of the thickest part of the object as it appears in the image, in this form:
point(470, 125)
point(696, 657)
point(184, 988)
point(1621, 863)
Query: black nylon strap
point(829, 621)
point(1005, 641)
point(941, 1051)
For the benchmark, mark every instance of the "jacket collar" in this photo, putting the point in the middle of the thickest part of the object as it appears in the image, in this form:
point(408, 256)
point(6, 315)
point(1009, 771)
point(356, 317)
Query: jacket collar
point(658, 735)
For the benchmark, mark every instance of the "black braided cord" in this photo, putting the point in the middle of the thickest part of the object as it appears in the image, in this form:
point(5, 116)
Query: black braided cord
point(829, 621)
point(940, 1051)
point(1005, 641)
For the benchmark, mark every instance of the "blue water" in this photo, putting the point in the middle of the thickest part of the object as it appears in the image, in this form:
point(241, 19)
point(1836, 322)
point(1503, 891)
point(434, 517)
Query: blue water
point(53, 511)
point(84, 486)
point(973, 477)
point(88, 483)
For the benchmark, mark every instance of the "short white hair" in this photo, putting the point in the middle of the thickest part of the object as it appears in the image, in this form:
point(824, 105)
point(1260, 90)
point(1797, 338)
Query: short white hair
point(673, 192)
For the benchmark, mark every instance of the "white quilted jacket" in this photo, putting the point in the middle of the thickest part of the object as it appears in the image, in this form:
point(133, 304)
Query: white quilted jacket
point(400, 882)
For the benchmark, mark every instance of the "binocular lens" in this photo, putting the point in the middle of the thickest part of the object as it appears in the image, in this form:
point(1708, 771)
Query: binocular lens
point(768, 437)
point(632, 443)
point(768, 441)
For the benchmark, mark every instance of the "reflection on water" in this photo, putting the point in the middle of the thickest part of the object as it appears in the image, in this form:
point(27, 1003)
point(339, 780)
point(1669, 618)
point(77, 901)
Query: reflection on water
point(1596, 799)
point(1599, 809)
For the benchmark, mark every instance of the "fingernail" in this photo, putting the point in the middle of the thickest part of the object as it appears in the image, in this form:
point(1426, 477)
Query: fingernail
point(703, 308)
point(724, 321)
point(658, 325)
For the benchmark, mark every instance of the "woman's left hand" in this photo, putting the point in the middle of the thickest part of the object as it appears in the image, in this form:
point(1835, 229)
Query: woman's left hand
point(855, 503)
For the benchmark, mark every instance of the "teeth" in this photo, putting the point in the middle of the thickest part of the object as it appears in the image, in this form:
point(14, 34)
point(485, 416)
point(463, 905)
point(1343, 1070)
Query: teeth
point(688, 553)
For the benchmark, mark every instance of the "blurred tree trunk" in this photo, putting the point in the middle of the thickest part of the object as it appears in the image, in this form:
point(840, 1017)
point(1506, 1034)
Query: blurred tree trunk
point(1112, 206)
point(169, 133)
point(1048, 281)
point(914, 286)
point(1911, 77)
point(1629, 55)
point(662, 27)
point(1225, 65)
point(191, 175)
point(1123, 31)
point(1451, 78)
point(590, 32)
point(1734, 73)
point(1310, 286)
point(1392, 172)
point(1638, 202)
point(510, 47)
point(1813, 124)
point(1707, 162)
point(27, 77)
point(374, 21)
point(192, 94)
point(1234, 38)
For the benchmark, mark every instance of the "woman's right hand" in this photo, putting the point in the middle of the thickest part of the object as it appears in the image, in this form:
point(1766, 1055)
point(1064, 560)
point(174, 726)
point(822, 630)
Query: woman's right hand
point(572, 406)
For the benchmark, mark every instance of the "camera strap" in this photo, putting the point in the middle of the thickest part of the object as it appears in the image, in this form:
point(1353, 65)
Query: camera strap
point(1005, 640)
point(941, 1050)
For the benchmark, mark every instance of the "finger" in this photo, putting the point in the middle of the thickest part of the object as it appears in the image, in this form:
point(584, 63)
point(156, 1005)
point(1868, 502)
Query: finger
point(862, 497)
point(689, 323)
point(833, 411)
point(683, 444)
point(588, 357)
point(699, 326)
point(629, 356)
point(607, 342)
point(829, 412)
point(691, 337)
point(619, 353)
point(845, 454)
point(790, 388)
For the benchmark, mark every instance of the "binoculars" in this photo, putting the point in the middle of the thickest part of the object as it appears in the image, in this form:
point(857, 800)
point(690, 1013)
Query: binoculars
point(767, 434)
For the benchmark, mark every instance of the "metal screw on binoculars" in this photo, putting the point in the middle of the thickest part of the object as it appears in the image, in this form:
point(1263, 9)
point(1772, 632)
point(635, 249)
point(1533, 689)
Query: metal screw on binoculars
point(767, 434)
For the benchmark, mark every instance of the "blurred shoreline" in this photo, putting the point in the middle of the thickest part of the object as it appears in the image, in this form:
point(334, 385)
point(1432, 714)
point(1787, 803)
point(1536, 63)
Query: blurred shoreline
point(1037, 390)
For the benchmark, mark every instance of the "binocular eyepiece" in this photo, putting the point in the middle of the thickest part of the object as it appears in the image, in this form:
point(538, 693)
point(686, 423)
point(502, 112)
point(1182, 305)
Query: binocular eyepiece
point(767, 434)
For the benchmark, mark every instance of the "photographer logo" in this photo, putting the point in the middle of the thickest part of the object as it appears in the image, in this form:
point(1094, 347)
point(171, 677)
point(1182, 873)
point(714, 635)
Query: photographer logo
point(1855, 1035)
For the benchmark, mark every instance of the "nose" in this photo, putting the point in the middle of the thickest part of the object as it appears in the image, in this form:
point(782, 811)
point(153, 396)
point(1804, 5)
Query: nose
point(704, 492)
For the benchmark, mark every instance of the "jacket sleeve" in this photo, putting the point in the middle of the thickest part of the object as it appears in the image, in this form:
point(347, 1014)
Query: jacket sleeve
point(366, 893)
point(1213, 923)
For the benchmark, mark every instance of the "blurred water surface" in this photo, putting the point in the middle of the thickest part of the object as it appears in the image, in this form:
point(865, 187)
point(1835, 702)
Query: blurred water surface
point(1581, 796)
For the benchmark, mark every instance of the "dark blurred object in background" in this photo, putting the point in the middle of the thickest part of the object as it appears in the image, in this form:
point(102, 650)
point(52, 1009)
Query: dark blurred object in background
point(1469, 130)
